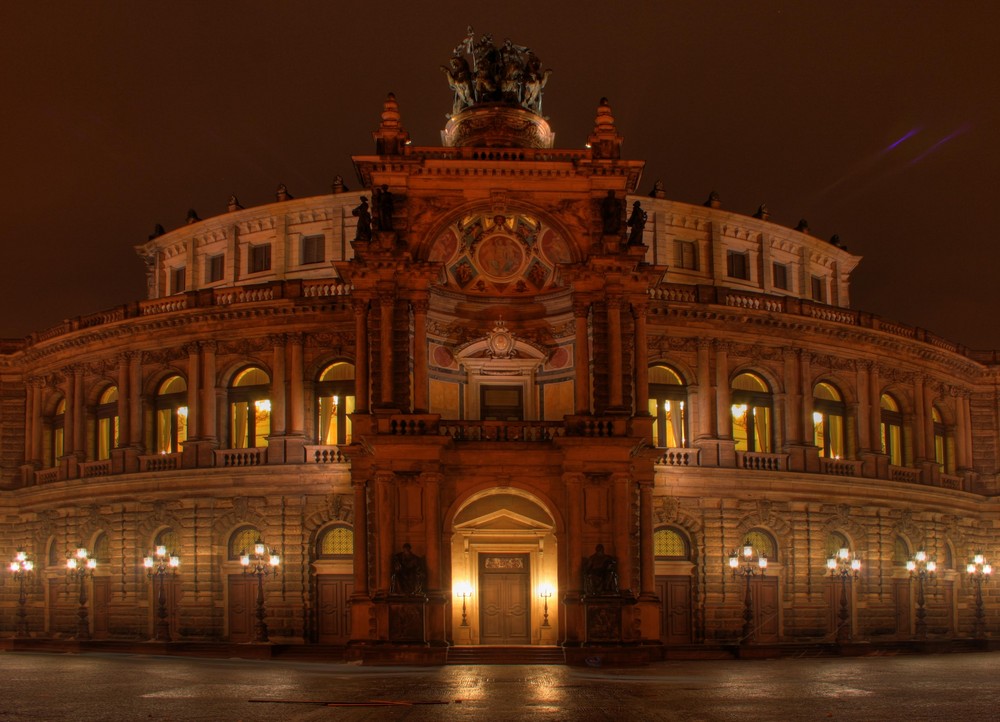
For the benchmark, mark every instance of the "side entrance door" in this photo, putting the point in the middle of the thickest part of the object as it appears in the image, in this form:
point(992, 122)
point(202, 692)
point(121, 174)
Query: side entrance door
point(675, 596)
point(242, 600)
point(333, 594)
point(505, 599)
point(102, 599)
point(765, 609)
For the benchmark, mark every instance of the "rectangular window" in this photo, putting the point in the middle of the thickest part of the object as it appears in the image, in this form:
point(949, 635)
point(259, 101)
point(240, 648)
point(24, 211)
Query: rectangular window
point(260, 258)
point(312, 249)
point(780, 276)
point(818, 289)
point(215, 268)
point(686, 253)
point(178, 280)
point(738, 265)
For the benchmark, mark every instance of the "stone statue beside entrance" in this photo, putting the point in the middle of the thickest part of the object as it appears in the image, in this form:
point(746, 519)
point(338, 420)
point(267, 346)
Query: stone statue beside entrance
point(408, 573)
point(600, 574)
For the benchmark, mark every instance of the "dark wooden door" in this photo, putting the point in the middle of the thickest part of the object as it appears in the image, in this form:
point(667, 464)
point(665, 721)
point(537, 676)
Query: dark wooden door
point(242, 600)
point(172, 597)
point(505, 599)
point(99, 607)
point(675, 620)
point(901, 594)
point(834, 596)
point(333, 594)
point(765, 609)
point(501, 403)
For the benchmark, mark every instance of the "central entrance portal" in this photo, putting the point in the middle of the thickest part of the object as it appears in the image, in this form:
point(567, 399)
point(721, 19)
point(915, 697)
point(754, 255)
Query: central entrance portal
point(505, 607)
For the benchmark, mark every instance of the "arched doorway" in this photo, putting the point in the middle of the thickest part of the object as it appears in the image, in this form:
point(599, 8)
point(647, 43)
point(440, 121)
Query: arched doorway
point(504, 570)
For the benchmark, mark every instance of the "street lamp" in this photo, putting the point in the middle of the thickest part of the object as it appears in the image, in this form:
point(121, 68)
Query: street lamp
point(463, 590)
point(979, 572)
point(79, 567)
point(545, 593)
point(921, 568)
point(744, 567)
point(21, 567)
point(841, 565)
point(160, 564)
point(261, 562)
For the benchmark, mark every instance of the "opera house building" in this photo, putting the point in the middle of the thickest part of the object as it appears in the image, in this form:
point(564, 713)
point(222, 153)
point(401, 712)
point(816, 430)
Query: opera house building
point(505, 395)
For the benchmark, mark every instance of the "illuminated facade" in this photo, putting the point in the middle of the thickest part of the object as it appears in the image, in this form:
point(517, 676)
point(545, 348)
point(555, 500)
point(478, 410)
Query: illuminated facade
point(498, 371)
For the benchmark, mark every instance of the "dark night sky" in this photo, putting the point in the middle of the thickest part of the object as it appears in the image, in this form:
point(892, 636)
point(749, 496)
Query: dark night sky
point(119, 115)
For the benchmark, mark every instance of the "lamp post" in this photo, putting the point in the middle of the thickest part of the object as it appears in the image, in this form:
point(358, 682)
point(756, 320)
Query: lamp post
point(21, 567)
point(79, 567)
point(841, 565)
point(260, 562)
point(979, 572)
point(159, 564)
point(921, 568)
point(545, 593)
point(744, 566)
point(463, 590)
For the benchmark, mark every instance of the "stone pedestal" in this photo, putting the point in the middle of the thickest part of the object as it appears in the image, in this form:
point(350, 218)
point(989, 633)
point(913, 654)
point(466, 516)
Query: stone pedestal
point(405, 619)
point(605, 622)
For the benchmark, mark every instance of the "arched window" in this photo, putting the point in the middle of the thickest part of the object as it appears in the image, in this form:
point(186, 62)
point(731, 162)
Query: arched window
point(169, 539)
point(171, 415)
point(335, 404)
point(763, 544)
point(671, 544)
point(102, 549)
point(835, 541)
point(668, 407)
point(242, 540)
point(892, 426)
point(751, 413)
point(55, 559)
point(900, 552)
point(107, 422)
point(828, 420)
point(941, 455)
point(249, 409)
point(335, 542)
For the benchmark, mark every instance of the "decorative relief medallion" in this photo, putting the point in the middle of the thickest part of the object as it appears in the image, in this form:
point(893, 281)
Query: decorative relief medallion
point(504, 562)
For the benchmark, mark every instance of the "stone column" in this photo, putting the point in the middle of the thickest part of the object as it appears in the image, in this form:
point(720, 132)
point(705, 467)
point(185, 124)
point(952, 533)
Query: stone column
point(385, 515)
point(278, 385)
point(705, 428)
point(194, 390)
point(69, 415)
point(79, 408)
point(723, 397)
point(387, 304)
point(793, 397)
point(420, 374)
point(135, 400)
point(29, 421)
point(209, 430)
point(920, 420)
point(614, 306)
point(571, 586)
point(929, 422)
point(622, 495)
point(961, 432)
point(581, 358)
point(641, 360)
point(296, 387)
point(37, 452)
point(646, 556)
point(875, 402)
point(361, 388)
point(864, 409)
point(360, 538)
point(805, 409)
point(967, 421)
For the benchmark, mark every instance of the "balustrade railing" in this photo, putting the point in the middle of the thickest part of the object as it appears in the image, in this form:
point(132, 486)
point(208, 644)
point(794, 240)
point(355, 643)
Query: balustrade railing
point(761, 461)
point(46, 476)
point(680, 457)
point(160, 462)
point(323, 454)
point(904, 473)
point(502, 430)
point(90, 469)
point(241, 457)
point(840, 467)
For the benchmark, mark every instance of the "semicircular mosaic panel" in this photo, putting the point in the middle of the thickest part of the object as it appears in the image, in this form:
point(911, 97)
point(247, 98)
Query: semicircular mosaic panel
point(497, 254)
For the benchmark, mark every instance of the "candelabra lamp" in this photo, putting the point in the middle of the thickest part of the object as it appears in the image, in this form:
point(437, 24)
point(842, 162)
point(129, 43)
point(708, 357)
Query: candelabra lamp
point(159, 564)
point(747, 564)
point(78, 567)
point(21, 567)
point(979, 572)
point(922, 569)
point(545, 593)
point(842, 565)
point(463, 590)
point(260, 562)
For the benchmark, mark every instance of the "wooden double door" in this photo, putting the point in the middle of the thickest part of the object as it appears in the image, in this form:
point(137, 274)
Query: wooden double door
point(504, 599)
point(676, 618)
point(333, 608)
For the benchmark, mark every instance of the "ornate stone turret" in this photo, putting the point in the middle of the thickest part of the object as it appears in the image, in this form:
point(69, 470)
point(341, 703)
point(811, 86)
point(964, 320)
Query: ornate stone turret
point(605, 142)
point(390, 138)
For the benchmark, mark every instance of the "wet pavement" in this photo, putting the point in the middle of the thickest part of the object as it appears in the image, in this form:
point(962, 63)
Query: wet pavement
point(116, 687)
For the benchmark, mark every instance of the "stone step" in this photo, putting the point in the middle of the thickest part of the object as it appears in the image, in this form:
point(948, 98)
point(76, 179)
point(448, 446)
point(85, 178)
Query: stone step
point(481, 654)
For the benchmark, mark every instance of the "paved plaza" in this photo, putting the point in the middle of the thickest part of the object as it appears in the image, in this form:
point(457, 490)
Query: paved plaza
point(83, 687)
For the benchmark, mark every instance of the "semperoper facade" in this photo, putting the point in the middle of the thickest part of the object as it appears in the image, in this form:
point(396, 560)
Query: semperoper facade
point(499, 396)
